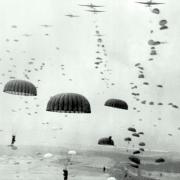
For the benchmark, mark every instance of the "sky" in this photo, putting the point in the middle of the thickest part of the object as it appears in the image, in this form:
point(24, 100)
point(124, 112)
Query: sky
point(30, 51)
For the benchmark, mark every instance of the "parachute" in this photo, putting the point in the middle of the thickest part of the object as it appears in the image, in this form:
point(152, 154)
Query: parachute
point(154, 43)
point(153, 52)
point(160, 160)
point(135, 160)
point(48, 155)
point(131, 129)
point(141, 76)
point(20, 87)
point(106, 141)
point(128, 139)
point(135, 134)
point(111, 178)
point(151, 42)
point(68, 103)
point(142, 144)
point(134, 166)
point(136, 152)
point(156, 11)
point(116, 103)
point(141, 149)
point(163, 27)
point(72, 152)
point(163, 22)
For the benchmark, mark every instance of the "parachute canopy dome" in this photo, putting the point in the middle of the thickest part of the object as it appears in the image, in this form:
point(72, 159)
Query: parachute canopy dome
point(127, 139)
point(20, 87)
point(131, 129)
point(72, 152)
point(141, 149)
point(136, 152)
point(106, 141)
point(142, 144)
point(134, 166)
point(156, 11)
point(111, 178)
point(135, 160)
point(116, 103)
point(68, 103)
point(48, 155)
point(160, 160)
point(163, 22)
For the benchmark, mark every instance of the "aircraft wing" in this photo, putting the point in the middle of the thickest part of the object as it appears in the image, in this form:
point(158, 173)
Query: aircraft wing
point(96, 6)
point(98, 35)
point(89, 5)
point(149, 3)
point(142, 2)
point(154, 3)
point(84, 5)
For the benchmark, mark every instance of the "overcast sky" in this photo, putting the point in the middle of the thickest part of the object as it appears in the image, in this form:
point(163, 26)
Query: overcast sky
point(126, 27)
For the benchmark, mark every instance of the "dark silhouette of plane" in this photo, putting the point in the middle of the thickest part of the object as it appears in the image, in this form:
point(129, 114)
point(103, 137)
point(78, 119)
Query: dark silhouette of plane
point(98, 35)
point(149, 3)
point(46, 25)
point(95, 11)
point(72, 16)
point(90, 5)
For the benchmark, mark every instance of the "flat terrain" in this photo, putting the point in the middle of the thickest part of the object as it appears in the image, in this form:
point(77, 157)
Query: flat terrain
point(28, 163)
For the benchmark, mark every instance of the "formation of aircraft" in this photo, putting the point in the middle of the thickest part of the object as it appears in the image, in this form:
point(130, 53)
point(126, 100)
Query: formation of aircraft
point(149, 3)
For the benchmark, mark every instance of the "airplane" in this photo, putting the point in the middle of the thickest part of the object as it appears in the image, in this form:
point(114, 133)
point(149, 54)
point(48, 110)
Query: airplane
point(72, 16)
point(95, 11)
point(46, 25)
point(27, 35)
point(149, 3)
point(90, 5)
point(98, 35)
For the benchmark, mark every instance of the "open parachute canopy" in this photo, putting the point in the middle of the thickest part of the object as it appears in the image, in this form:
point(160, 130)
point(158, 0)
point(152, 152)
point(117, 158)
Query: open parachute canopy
point(141, 133)
point(72, 152)
point(153, 43)
point(134, 166)
point(135, 160)
point(111, 178)
point(135, 135)
point(160, 160)
point(48, 155)
point(142, 144)
point(20, 87)
point(163, 22)
point(136, 152)
point(116, 103)
point(131, 129)
point(141, 149)
point(156, 11)
point(127, 139)
point(68, 103)
point(106, 141)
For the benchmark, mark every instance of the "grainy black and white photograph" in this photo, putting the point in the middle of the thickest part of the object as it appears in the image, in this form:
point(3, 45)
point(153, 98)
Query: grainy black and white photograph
point(89, 90)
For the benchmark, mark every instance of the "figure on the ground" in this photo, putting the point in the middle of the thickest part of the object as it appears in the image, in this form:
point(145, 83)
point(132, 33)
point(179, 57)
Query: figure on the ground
point(65, 174)
point(125, 173)
point(13, 140)
point(104, 169)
